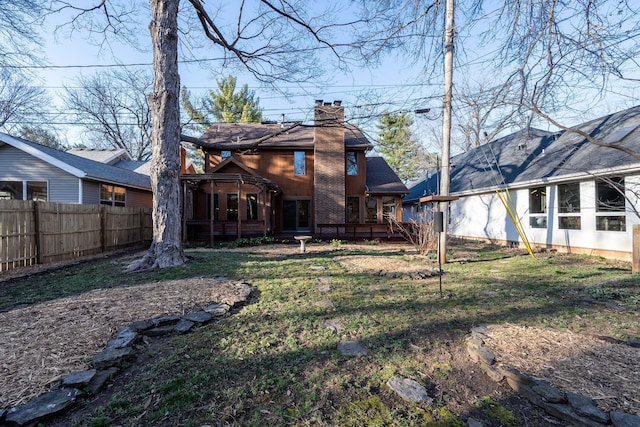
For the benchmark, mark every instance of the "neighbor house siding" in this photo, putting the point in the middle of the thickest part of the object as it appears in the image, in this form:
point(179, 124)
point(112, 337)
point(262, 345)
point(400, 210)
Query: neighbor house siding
point(137, 198)
point(483, 216)
point(90, 193)
point(20, 166)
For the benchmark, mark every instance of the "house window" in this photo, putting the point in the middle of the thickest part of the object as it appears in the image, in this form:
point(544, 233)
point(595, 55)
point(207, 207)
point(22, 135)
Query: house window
point(389, 207)
point(112, 195)
point(252, 206)
point(610, 195)
point(538, 200)
point(569, 223)
point(610, 198)
point(371, 209)
point(232, 206)
point(299, 163)
point(11, 190)
point(216, 206)
point(15, 190)
point(353, 209)
point(569, 203)
point(37, 190)
point(352, 163)
point(224, 155)
point(569, 198)
point(538, 205)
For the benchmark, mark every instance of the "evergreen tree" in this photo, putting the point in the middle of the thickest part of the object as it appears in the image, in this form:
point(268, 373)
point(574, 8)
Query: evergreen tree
point(398, 146)
point(224, 105)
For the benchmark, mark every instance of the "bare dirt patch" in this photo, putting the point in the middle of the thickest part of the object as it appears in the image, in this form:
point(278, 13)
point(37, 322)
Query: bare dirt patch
point(43, 342)
point(606, 371)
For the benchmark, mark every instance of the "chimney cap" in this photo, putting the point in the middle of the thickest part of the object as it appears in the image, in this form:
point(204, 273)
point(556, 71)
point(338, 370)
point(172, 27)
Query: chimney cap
point(337, 103)
point(318, 102)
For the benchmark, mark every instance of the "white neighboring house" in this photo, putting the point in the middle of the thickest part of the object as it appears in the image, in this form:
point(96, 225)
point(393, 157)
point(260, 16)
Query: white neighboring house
point(569, 194)
point(30, 171)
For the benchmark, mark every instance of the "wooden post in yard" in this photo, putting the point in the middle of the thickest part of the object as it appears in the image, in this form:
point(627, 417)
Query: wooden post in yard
point(635, 242)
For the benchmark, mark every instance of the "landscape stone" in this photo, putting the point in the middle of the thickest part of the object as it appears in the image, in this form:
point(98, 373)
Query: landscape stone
point(198, 317)
point(482, 354)
point(566, 413)
point(165, 320)
point(217, 309)
point(111, 357)
point(159, 331)
point(183, 326)
point(351, 348)
point(317, 267)
point(586, 407)
point(548, 392)
point(41, 407)
point(325, 279)
point(409, 389)
point(325, 303)
point(124, 338)
point(324, 288)
point(141, 325)
point(332, 324)
point(621, 419)
point(100, 379)
point(78, 379)
point(474, 423)
point(633, 343)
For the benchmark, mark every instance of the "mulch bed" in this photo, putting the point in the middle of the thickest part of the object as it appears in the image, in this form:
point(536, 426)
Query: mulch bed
point(603, 370)
point(43, 342)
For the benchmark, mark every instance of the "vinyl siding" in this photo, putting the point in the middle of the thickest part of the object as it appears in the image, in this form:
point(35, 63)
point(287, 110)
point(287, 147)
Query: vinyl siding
point(15, 165)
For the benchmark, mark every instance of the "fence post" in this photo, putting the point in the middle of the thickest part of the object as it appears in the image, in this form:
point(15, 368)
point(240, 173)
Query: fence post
point(103, 228)
point(635, 242)
point(36, 222)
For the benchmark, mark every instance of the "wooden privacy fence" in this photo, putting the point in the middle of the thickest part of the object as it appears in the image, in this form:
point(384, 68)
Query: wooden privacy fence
point(39, 232)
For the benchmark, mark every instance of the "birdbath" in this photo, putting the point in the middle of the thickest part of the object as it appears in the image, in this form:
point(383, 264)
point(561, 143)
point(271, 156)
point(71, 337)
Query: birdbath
point(303, 242)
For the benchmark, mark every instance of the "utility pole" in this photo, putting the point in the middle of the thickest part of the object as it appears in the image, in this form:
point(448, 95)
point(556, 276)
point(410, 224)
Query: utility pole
point(446, 127)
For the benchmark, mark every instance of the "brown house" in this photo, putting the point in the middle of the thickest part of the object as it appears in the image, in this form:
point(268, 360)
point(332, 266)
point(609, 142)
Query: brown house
point(284, 179)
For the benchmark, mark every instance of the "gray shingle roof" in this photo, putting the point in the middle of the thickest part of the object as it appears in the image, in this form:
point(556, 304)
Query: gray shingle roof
point(91, 169)
point(533, 155)
point(381, 178)
point(301, 136)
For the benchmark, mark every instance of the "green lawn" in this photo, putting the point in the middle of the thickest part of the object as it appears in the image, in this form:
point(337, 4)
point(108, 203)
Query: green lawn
point(273, 363)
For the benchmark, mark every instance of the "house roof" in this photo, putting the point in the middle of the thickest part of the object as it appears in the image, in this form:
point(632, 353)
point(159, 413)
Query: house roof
point(99, 155)
point(79, 166)
point(381, 179)
point(301, 136)
point(533, 156)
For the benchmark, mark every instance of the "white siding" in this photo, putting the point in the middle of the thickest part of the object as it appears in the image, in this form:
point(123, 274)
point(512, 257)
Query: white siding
point(16, 165)
point(484, 217)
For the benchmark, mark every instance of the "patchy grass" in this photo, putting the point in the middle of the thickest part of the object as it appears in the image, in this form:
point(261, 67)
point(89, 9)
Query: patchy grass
point(273, 363)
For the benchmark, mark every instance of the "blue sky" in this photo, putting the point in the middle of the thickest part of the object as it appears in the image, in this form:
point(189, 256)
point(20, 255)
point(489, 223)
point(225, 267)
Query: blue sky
point(395, 84)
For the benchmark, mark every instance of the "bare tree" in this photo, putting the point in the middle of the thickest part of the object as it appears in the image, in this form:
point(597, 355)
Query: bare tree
point(274, 41)
point(18, 38)
point(20, 101)
point(482, 112)
point(114, 110)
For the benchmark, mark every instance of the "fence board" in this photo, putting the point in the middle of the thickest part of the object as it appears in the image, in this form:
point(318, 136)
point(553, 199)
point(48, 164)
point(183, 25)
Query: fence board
point(40, 232)
point(17, 234)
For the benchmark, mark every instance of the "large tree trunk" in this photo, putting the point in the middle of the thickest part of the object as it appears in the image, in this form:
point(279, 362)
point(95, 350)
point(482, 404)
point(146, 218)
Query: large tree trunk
point(166, 248)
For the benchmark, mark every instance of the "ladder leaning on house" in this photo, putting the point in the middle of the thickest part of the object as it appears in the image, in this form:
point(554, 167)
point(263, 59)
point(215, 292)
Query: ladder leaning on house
point(507, 201)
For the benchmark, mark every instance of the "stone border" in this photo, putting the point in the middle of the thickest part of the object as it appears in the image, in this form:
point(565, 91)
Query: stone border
point(573, 408)
point(107, 363)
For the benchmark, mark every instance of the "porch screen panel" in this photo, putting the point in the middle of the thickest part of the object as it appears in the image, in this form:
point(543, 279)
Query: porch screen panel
point(232, 206)
point(252, 206)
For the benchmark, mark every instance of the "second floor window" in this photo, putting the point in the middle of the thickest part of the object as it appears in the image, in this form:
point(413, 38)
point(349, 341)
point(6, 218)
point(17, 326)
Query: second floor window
point(299, 163)
point(224, 155)
point(352, 163)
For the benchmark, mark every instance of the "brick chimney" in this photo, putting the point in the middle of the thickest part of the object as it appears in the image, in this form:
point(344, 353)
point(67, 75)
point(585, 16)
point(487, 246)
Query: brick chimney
point(329, 163)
